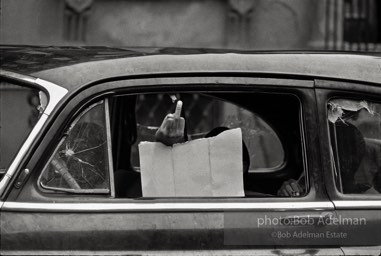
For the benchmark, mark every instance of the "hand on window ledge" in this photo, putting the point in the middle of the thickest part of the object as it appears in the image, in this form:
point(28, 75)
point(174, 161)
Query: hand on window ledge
point(290, 188)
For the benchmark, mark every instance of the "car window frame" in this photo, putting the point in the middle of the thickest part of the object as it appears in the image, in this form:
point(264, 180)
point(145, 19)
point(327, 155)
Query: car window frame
point(341, 182)
point(217, 97)
point(54, 94)
point(325, 91)
point(107, 191)
point(159, 85)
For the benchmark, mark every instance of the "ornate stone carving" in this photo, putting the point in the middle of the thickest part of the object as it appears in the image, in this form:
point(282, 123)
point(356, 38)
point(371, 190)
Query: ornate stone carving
point(76, 17)
point(238, 24)
point(242, 6)
point(79, 5)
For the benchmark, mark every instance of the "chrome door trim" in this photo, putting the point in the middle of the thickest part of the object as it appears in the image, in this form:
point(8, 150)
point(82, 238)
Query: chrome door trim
point(357, 204)
point(55, 94)
point(233, 252)
point(362, 250)
point(21, 153)
point(210, 79)
point(160, 207)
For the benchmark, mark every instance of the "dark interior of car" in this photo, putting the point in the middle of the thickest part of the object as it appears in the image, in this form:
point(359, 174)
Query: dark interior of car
point(280, 111)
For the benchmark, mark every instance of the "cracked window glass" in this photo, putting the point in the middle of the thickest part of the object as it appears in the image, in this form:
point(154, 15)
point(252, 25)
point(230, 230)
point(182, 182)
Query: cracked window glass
point(355, 127)
point(80, 163)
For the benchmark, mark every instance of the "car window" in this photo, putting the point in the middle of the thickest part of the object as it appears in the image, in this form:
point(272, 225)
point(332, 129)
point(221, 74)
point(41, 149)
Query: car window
point(16, 122)
point(233, 145)
point(355, 127)
point(203, 114)
point(80, 163)
point(271, 139)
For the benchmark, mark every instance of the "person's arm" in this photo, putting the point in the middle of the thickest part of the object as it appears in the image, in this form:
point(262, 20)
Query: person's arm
point(171, 130)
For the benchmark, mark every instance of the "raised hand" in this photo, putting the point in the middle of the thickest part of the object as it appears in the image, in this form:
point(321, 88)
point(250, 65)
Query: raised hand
point(171, 130)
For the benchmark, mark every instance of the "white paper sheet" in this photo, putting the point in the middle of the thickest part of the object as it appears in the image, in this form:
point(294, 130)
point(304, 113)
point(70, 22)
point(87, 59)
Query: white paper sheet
point(209, 167)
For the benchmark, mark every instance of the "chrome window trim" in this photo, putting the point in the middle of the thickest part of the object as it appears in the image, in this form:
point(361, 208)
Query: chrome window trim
point(109, 148)
point(303, 136)
point(55, 94)
point(225, 80)
point(74, 191)
point(357, 204)
point(160, 207)
point(108, 190)
point(17, 76)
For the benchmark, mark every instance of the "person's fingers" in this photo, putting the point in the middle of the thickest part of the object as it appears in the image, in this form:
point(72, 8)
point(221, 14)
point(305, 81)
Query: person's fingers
point(289, 190)
point(169, 116)
point(173, 127)
point(166, 122)
point(171, 130)
point(180, 125)
point(285, 192)
point(177, 129)
point(297, 190)
point(179, 106)
point(295, 187)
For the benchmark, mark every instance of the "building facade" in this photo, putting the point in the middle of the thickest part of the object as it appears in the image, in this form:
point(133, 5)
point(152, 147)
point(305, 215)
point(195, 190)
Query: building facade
point(242, 24)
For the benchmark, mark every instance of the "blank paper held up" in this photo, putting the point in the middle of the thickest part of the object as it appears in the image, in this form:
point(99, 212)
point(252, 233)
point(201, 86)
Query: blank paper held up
point(209, 167)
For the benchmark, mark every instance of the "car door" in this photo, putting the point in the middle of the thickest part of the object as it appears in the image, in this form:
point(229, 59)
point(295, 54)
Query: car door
point(350, 119)
point(44, 216)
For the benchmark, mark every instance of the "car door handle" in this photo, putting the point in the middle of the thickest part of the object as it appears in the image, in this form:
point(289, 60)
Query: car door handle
point(21, 178)
point(313, 219)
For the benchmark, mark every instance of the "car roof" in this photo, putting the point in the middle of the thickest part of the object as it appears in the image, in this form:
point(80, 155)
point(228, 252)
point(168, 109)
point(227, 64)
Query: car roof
point(72, 67)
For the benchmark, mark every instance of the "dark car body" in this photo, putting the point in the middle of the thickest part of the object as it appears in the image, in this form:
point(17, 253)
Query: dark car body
point(36, 220)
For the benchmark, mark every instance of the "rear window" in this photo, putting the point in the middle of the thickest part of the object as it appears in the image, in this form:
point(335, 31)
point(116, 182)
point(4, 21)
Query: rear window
point(355, 127)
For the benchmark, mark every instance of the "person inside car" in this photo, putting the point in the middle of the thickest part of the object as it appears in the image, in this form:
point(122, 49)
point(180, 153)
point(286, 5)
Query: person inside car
point(172, 131)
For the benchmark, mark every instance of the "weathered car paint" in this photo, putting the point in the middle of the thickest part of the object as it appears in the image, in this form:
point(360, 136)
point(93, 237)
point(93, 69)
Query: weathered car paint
point(304, 66)
point(194, 84)
point(146, 231)
point(87, 64)
point(40, 229)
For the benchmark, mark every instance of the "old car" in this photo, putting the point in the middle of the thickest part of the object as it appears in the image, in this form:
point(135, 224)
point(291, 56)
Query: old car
point(76, 180)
